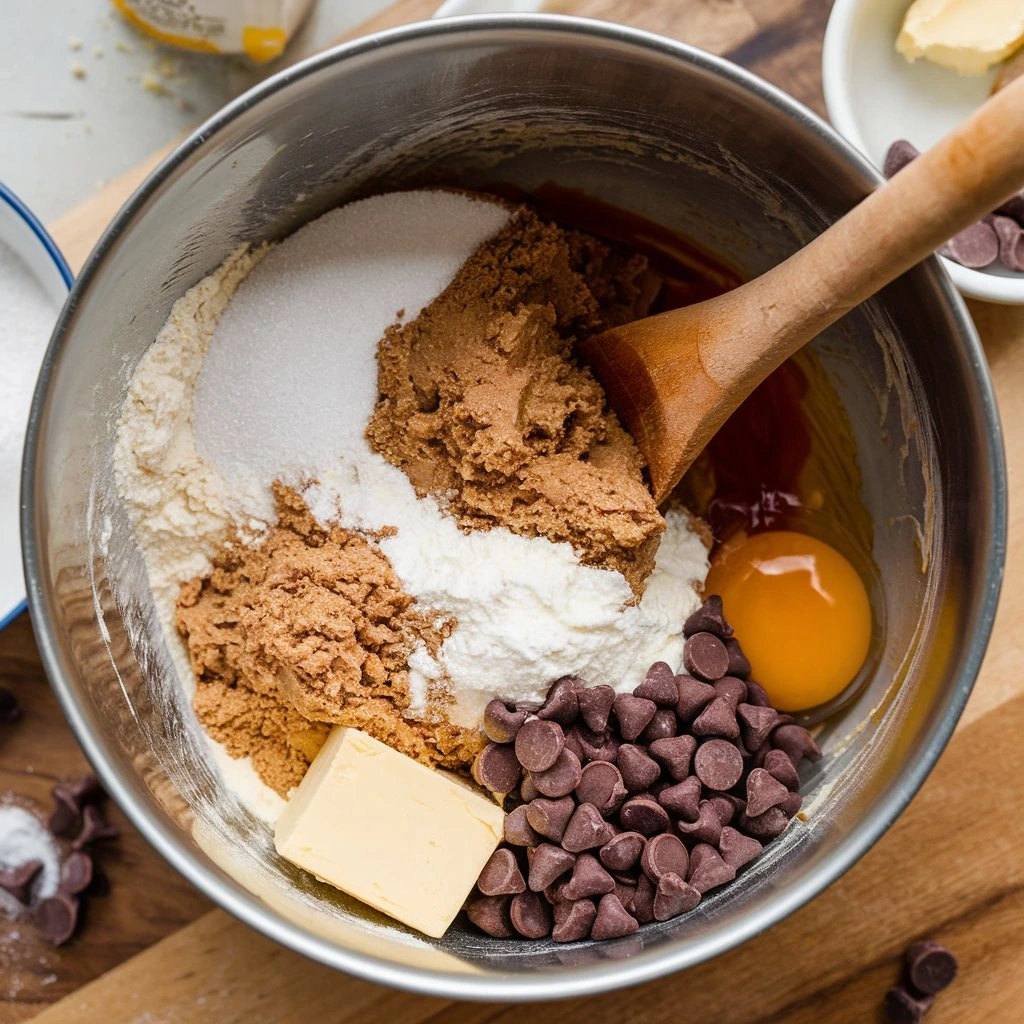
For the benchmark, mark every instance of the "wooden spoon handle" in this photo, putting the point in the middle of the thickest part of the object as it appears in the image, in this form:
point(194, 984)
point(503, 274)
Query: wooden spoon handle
point(946, 189)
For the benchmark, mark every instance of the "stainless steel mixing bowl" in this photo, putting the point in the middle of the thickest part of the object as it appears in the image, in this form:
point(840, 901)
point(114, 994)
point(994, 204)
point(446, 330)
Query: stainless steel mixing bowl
point(653, 127)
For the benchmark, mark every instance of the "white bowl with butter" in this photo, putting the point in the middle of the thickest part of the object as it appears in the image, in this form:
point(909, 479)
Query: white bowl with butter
point(874, 95)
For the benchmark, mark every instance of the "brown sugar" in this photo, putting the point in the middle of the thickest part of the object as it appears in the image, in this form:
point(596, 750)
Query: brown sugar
point(311, 626)
point(482, 405)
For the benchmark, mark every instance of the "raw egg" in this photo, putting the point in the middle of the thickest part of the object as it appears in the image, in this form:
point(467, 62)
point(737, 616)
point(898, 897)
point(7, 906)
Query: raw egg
point(799, 610)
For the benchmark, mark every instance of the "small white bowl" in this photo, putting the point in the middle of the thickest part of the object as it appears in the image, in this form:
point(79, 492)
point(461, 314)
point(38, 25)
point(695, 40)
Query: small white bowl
point(874, 96)
point(21, 231)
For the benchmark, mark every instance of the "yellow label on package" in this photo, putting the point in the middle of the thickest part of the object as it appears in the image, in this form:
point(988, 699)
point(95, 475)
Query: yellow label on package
point(259, 28)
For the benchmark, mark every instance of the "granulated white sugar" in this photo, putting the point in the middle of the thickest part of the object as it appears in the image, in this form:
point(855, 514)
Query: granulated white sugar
point(27, 316)
point(23, 838)
point(290, 379)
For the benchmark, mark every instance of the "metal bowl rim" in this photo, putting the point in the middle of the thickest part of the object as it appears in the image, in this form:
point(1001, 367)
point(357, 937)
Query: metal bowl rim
point(606, 975)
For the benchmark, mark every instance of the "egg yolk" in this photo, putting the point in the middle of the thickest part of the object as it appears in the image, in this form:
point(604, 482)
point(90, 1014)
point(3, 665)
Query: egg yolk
point(799, 610)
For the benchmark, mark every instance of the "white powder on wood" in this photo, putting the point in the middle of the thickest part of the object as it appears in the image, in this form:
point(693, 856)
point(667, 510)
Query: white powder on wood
point(23, 838)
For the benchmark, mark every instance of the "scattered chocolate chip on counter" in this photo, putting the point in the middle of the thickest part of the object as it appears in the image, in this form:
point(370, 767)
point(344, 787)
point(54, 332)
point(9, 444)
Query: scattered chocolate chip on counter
point(10, 709)
point(999, 236)
point(630, 808)
point(18, 880)
point(928, 968)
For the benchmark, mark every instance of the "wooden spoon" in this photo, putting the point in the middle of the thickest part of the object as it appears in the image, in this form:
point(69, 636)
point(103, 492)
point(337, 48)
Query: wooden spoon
point(674, 379)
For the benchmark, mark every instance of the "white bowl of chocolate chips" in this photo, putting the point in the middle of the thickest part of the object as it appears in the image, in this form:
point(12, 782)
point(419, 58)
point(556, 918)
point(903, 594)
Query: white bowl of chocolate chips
point(680, 812)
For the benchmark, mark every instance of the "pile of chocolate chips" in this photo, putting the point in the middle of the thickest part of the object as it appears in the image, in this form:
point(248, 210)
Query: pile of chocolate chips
point(76, 816)
point(928, 968)
point(628, 808)
point(999, 236)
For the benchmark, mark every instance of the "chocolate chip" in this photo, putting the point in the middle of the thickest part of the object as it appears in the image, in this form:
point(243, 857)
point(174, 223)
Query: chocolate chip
point(18, 880)
point(663, 855)
point(682, 799)
point(93, 828)
point(76, 873)
point(1011, 242)
point(738, 664)
point(622, 852)
point(613, 920)
point(718, 764)
point(708, 826)
point(975, 247)
point(1013, 207)
point(707, 869)
point(717, 719)
point(756, 759)
point(55, 918)
point(586, 830)
point(705, 657)
point(901, 1007)
point(643, 814)
point(491, 915)
point(765, 826)
point(633, 714)
point(796, 742)
point(728, 806)
point(763, 791)
point(573, 921)
point(518, 830)
point(638, 770)
point(595, 706)
point(527, 790)
point(601, 785)
point(758, 695)
point(530, 915)
point(737, 849)
point(792, 804)
point(659, 685)
point(674, 754)
point(673, 897)
point(538, 744)
point(662, 726)
point(756, 724)
point(562, 703)
point(732, 689)
point(550, 817)
point(708, 618)
point(86, 789)
point(501, 876)
point(547, 864)
point(625, 889)
point(643, 900)
point(502, 721)
point(66, 818)
point(588, 878)
point(595, 746)
point(930, 967)
point(10, 709)
point(899, 155)
point(694, 696)
point(496, 768)
point(561, 778)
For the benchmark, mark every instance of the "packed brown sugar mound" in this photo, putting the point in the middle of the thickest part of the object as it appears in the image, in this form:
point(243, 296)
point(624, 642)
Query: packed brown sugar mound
point(481, 403)
point(311, 626)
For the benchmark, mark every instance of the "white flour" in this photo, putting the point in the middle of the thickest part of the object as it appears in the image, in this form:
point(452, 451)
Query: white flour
point(27, 316)
point(282, 387)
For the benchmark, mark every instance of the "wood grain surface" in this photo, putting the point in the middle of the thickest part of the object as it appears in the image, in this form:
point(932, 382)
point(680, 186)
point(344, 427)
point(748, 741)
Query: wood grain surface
point(952, 867)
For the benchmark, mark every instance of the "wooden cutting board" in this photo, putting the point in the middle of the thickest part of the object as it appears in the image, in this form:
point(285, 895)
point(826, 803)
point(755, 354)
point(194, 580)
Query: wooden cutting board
point(952, 867)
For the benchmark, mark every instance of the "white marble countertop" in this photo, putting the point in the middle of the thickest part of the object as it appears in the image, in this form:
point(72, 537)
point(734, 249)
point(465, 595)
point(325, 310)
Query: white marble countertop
point(84, 96)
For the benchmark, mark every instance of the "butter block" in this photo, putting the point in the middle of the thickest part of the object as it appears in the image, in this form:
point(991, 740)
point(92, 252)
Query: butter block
point(968, 36)
point(389, 831)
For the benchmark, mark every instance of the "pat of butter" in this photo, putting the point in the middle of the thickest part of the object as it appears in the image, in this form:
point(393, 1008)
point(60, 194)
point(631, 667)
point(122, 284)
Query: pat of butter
point(391, 832)
point(968, 36)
